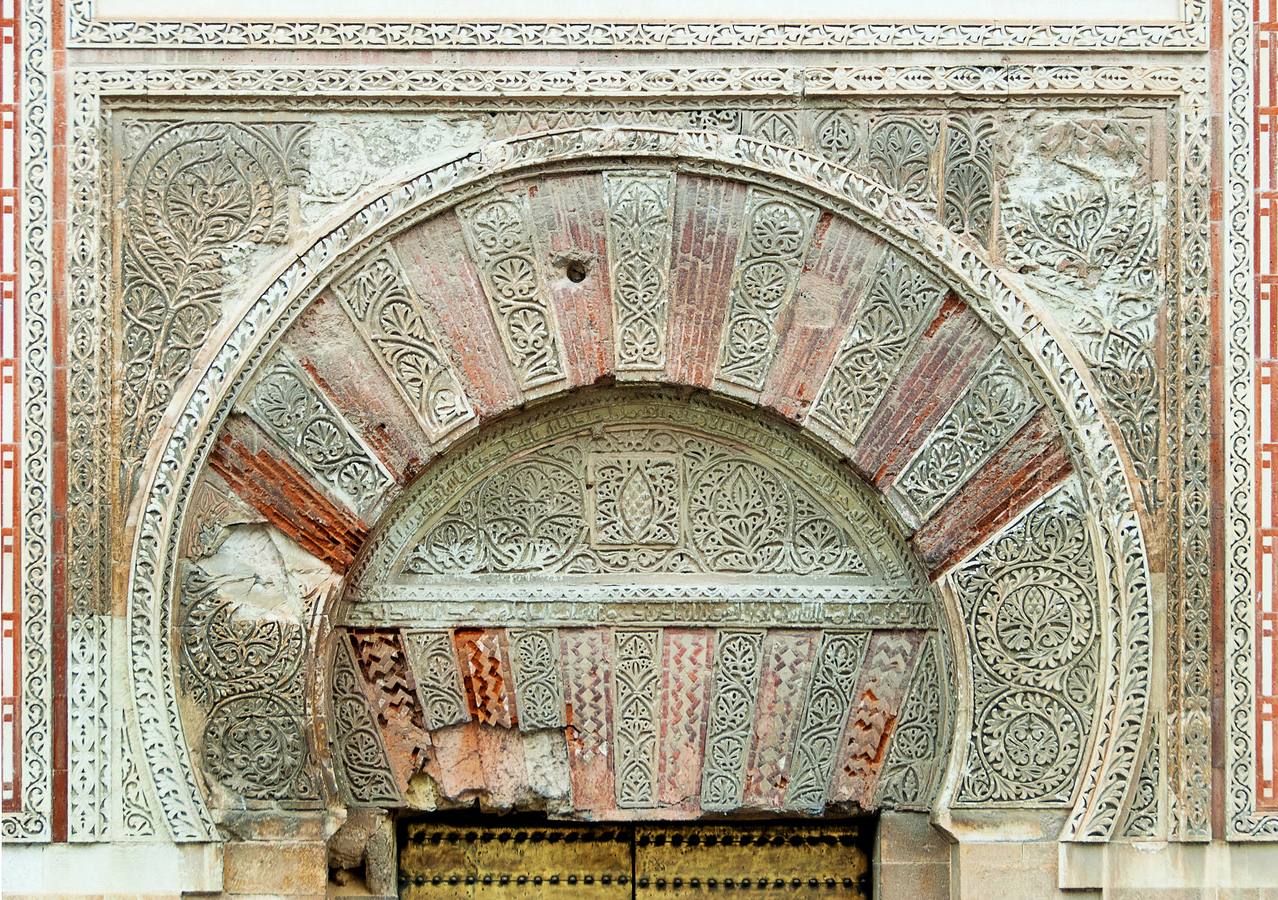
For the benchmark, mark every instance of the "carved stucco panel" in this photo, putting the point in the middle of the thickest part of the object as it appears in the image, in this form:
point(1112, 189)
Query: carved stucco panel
point(202, 196)
point(640, 226)
point(996, 403)
point(391, 321)
point(1084, 220)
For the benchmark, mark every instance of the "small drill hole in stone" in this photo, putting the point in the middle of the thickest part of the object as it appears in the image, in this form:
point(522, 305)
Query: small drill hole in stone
point(576, 271)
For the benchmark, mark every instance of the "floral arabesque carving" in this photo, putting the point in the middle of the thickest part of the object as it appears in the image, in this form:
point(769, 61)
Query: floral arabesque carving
point(390, 320)
point(499, 234)
point(358, 751)
point(288, 405)
point(825, 712)
point(769, 259)
point(738, 659)
point(994, 406)
point(1128, 608)
point(1030, 606)
point(900, 301)
point(636, 716)
point(201, 192)
point(592, 503)
point(640, 206)
point(916, 757)
point(247, 672)
point(439, 683)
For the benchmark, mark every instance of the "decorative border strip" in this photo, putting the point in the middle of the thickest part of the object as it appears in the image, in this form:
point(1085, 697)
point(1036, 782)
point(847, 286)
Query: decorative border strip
point(791, 82)
point(1244, 821)
point(356, 85)
point(83, 30)
point(33, 822)
point(10, 420)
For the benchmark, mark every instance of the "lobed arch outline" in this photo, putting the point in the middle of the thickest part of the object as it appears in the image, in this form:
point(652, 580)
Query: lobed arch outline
point(1003, 304)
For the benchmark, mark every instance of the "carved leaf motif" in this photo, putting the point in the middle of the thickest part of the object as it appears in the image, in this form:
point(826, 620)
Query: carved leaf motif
point(825, 713)
point(916, 754)
point(439, 686)
point(1083, 220)
point(246, 671)
point(390, 320)
point(199, 190)
point(697, 507)
point(769, 260)
point(991, 409)
point(900, 156)
point(358, 749)
point(897, 305)
point(288, 406)
point(500, 237)
point(738, 659)
point(639, 239)
point(534, 658)
point(968, 173)
point(635, 721)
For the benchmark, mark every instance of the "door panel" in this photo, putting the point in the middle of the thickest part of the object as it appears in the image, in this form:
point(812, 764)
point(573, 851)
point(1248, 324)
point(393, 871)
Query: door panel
point(555, 862)
point(766, 860)
point(633, 862)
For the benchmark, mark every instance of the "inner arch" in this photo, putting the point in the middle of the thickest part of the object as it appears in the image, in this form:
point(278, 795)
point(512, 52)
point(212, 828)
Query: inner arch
point(631, 603)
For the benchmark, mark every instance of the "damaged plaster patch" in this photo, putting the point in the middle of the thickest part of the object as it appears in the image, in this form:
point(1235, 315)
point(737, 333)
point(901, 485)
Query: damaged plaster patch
point(349, 153)
point(1084, 223)
point(261, 568)
point(495, 769)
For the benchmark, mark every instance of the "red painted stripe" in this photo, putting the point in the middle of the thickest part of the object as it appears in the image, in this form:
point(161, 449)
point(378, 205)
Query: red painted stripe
point(1026, 468)
point(244, 457)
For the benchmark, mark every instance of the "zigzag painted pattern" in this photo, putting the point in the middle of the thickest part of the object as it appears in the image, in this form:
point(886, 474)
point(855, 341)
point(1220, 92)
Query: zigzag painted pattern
point(483, 661)
point(787, 665)
point(585, 654)
point(884, 676)
point(687, 667)
point(384, 665)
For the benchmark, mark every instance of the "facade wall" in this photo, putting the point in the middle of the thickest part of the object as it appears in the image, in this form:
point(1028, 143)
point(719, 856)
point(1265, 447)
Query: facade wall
point(279, 282)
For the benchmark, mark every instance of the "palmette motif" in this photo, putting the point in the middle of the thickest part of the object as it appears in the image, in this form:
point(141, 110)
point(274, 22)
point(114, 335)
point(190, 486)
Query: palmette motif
point(738, 656)
point(390, 320)
point(539, 693)
point(634, 494)
point(641, 498)
point(769, 259)
point(825, 711)
point(635, 722)
point(499, 234)
point(640, 208)
point(288, 405)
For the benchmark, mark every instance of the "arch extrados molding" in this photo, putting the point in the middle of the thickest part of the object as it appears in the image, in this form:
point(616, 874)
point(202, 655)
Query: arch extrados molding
point(175, 463)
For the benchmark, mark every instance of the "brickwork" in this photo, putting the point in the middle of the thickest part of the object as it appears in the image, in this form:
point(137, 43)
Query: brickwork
point(946, 356)
point(840, 265)
point(246, 460)
point(707, 224)
point(438, 266)
point(569, 215)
